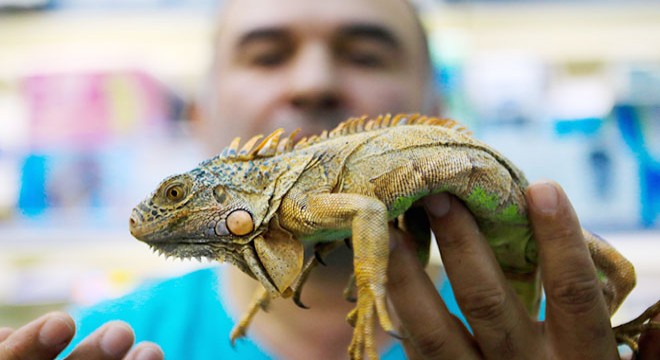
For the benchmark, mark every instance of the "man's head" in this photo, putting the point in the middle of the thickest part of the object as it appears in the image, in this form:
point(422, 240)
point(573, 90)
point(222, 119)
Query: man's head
point(311, 64)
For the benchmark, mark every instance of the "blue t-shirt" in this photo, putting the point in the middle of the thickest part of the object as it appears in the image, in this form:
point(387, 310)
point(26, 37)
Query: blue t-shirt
point(187, 318)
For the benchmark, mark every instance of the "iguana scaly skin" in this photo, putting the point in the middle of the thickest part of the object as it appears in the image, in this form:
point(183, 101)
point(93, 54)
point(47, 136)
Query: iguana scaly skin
point(257, 206)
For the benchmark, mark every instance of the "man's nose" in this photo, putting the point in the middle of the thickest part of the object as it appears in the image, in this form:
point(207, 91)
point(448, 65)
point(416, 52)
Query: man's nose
point(314, 84)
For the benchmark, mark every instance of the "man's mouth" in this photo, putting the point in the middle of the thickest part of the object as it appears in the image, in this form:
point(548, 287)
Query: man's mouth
point(310, 122)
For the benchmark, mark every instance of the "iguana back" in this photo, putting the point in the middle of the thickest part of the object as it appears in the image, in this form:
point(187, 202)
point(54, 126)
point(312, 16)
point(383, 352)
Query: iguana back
point(401, 159)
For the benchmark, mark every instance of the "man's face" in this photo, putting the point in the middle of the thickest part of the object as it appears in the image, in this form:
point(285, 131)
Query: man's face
point(311, 64)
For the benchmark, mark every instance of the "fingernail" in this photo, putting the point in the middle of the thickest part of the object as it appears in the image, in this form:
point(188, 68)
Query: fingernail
point(148, 353)
point(56, 331)
point(544, 197)
point(437, 205)
point(116, 340)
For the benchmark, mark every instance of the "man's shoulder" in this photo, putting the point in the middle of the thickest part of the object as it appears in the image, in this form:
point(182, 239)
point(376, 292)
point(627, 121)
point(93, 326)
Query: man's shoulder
point(185, 315)
point(202, 280)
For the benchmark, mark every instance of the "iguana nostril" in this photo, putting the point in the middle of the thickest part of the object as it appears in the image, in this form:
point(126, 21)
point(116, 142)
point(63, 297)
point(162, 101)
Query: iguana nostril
point(134, 222)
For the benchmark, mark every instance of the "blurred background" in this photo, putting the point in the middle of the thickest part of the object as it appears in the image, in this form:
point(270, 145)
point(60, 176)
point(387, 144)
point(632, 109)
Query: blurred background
point(93, 99)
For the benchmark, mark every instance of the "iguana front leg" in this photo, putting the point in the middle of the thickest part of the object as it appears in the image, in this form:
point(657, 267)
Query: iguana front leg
point(366, 217)
point(260, 301)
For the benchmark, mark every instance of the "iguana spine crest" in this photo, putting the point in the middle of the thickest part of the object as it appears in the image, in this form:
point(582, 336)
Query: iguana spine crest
point(274, 144)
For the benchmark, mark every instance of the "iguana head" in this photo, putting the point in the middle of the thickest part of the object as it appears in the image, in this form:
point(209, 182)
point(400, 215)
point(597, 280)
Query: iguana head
point(195, 215)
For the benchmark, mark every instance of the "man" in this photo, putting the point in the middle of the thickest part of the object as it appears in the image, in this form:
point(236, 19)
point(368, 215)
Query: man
point(298, 63)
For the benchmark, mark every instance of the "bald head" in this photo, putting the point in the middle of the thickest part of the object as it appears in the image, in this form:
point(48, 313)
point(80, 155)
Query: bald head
point(402, 10)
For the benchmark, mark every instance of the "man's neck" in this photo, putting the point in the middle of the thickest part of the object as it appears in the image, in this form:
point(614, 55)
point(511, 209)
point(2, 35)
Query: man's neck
point(290, 332)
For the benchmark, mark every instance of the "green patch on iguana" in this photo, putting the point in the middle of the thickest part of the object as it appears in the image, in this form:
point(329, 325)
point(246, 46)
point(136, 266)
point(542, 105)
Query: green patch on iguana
point(482, 200)
point(512, 214)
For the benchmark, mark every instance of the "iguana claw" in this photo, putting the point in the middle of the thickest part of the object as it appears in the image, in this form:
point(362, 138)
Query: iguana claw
point(320, 249)
point(350, 290)
point(298, 285)
point(396, 335)
point(319, 258)
point(298, 302)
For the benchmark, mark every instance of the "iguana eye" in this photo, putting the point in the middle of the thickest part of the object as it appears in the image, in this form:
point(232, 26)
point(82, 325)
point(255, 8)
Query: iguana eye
point(239, 222)
point(175, 192)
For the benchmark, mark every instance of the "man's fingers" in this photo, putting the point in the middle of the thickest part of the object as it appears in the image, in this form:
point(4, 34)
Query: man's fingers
point(576, 311)
point(145, 351)
point(649, 343)
point(415, 297)
point(112, 341)
point(489, 304)
point(5, 332)
point(42, 338)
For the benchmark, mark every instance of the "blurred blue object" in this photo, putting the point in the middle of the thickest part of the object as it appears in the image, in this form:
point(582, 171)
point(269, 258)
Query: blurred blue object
point(586, 126)
point(603, 172)
point(32, 197)
point(630, 123)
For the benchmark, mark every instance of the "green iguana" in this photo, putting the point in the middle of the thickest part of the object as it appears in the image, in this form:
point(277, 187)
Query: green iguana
point(255, 207)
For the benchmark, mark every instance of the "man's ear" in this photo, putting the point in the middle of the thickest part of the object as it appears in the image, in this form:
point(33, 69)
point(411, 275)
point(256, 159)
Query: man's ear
point(192, 111)
point(195, 114)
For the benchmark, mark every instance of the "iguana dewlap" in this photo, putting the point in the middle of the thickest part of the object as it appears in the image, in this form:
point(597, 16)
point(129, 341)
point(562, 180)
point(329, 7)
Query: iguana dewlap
point(255, 207)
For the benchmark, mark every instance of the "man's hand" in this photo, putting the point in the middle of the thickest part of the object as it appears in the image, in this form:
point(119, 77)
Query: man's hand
point(577, 323)
point(47, 336)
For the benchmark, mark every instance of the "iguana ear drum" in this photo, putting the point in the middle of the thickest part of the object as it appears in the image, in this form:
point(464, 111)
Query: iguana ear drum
point(239, 222)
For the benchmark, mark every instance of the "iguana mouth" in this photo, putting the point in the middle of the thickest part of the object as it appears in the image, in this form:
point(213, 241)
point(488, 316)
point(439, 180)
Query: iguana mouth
point(185, 249)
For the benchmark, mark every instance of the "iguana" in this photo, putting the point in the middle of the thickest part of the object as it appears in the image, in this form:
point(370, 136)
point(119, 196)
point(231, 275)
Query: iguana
point(256, 207)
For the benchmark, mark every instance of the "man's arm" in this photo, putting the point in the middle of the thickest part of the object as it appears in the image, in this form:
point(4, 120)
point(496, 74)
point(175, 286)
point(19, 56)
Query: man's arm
point(45, 337)
point(577, 322)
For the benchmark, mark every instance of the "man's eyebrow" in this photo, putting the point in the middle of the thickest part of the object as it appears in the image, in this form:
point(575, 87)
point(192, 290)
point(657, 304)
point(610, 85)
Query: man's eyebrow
point(266, 33)
point(371, 31)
